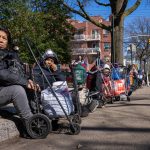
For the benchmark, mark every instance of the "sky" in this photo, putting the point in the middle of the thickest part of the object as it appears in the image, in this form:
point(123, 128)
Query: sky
point(142, 10)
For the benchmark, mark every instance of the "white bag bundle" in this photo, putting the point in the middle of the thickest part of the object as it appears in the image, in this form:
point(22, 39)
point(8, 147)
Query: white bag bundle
point(50, 104)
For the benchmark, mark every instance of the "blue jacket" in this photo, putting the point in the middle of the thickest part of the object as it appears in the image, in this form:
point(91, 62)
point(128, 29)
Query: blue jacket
point(115, 74)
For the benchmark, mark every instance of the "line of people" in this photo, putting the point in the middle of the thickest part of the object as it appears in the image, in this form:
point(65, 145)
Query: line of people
point(18, 88)
point(108, 83)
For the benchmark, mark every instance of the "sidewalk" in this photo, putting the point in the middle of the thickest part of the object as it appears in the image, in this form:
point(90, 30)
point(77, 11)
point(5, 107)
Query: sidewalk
point(9, 123)
point(141, 92)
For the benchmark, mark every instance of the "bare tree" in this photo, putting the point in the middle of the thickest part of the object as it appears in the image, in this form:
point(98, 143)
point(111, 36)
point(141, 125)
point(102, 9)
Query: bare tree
point(118, 12)
point(139, 31)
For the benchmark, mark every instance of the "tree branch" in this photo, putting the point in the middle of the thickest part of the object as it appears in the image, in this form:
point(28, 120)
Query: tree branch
point(130, 10)
point(86, 16)
point(124, 5)
point(101, 4)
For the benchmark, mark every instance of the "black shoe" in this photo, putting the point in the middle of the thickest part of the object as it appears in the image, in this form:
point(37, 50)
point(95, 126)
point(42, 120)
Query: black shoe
point(129, 93)
point(55, 125)
point(84, 111)
point(128, 99)
point(24, 133)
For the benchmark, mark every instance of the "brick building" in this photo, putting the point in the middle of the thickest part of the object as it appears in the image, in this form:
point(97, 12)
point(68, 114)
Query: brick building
point(88, 39)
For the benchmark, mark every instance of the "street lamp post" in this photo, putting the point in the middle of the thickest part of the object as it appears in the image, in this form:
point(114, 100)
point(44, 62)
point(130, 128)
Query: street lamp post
point(131, 54)
point(144, 60)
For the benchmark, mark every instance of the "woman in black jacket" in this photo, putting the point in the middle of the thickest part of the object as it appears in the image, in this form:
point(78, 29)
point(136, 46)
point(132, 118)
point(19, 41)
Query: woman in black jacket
point(13, 81)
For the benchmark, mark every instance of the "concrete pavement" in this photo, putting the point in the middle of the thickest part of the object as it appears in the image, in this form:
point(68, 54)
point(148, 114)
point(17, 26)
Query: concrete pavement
point(9, 123)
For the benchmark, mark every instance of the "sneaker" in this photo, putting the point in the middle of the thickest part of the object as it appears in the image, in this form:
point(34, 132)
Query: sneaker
point(93, 105)
point(101, 104)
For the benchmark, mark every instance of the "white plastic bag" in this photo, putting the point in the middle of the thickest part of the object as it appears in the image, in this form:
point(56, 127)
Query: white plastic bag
point(50, 104)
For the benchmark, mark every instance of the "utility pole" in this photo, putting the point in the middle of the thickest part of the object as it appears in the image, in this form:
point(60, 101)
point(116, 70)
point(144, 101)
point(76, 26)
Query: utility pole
point(112, 40)
point(147, 72)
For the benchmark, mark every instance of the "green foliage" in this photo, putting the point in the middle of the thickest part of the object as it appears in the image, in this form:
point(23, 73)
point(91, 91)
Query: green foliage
point(45, 24)
point(56, 25)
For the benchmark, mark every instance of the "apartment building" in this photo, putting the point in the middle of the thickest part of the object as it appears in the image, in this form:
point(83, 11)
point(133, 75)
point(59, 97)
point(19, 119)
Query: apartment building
point(90, 39)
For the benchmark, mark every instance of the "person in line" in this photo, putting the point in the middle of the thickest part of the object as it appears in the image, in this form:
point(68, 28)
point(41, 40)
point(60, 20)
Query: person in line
point(50, 67)
point(115, 72)
point(53, 72)
point(13, 81)
point(93, 82)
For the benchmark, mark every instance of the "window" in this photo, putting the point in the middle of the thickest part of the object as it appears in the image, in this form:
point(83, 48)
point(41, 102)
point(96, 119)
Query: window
point(95, 45)
point(79, 32)
point(105, 32)
point(95, 34)
point(107, 46)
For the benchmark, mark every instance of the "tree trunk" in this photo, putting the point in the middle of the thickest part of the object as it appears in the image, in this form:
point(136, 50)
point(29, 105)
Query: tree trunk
point(118, 42)
point(118, 10)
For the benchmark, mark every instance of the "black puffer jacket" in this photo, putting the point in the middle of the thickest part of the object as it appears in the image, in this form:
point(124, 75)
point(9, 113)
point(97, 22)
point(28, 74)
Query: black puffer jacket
point(52, 76)
point(11, 70)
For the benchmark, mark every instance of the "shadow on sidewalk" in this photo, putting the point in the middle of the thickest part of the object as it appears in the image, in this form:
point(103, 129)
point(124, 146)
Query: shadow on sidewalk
point(127, 104)
point(117, 129)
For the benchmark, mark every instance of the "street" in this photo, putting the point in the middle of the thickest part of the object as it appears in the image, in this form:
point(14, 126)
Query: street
point(119, 126)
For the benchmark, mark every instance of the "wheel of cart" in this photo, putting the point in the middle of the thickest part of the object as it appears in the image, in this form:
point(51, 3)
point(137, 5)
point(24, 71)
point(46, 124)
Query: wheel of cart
point(76, 119)
point(38, 126)
point(112, 100)
point(75, 129)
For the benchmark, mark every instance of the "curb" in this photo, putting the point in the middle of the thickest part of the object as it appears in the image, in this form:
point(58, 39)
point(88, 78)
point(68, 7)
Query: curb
point(9, 123)
point(8, 130)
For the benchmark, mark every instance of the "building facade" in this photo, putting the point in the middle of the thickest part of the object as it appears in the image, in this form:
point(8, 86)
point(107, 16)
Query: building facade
point(89, 39)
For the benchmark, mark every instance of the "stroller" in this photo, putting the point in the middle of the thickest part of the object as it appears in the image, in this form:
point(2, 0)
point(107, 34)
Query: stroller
point(94, 88)
point(120, 83)
point(94, 85)
point(103, 88)
point(40, 125)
